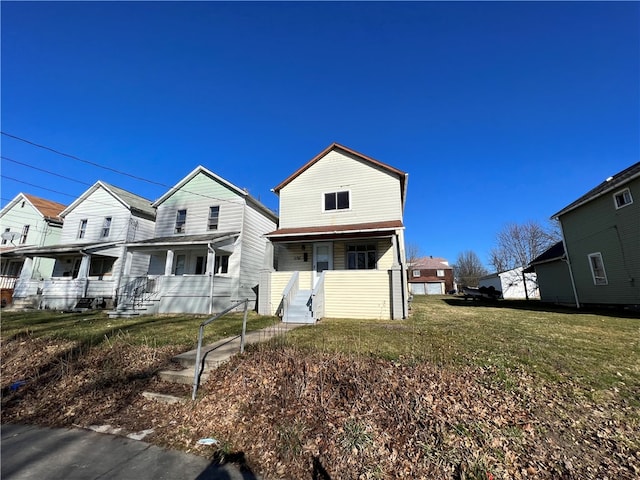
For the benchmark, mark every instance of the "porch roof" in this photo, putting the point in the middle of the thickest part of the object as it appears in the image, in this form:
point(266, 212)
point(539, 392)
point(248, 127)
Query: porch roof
point(357, 230)
point(51, 251)
point(182, 240)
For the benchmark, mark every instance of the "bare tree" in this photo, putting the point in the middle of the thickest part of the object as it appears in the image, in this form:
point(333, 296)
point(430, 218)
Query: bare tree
point(413, 253)
point(518, 244)
point(468, 269)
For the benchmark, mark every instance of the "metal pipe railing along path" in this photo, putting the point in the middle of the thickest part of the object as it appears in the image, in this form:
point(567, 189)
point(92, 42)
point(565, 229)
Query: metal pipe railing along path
point(196, 374)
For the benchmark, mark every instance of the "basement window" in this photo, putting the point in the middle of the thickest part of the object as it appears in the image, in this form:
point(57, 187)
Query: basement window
point(623, 198)
point(597, 269)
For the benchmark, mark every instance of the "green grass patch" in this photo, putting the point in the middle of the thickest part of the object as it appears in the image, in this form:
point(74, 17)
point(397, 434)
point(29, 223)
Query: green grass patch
point(600, 350)
point(94, 328)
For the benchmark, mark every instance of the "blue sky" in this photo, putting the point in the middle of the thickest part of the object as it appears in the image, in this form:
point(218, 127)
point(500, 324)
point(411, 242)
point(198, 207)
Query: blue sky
point(500, 112)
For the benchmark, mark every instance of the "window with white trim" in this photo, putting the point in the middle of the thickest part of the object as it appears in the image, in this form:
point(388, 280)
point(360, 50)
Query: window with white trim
point(82, 228)
point(106, 227)
point(597, 269)
point(622, 198)
point(361, 257)
point(101, 266)
point(5, 240)
point(440, 273)
point(25, 232)
point(416, 273)
point(181, 220)
point(336, 201)
point(214, 216)
point(221, 264)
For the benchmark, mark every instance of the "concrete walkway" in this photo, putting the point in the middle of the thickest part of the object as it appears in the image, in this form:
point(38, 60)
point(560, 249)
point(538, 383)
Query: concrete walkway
point(35, 453)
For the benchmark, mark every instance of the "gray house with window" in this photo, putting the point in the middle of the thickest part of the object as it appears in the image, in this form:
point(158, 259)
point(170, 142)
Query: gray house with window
point(206, 252)
point(601, 239)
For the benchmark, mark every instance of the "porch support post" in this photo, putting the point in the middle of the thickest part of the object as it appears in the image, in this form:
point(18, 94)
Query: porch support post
point(128, 258)
point(27, 269)
point(398, 282)
point(211, 263)
point(264, 287)
point(83, 273)
point(168, 266)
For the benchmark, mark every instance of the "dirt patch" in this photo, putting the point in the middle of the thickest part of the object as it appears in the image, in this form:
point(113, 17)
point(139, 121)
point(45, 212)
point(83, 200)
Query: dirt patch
point(298, 415)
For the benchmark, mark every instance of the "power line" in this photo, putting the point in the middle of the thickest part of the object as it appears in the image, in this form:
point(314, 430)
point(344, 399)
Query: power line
point(45, 171)
point(68, 155)
point(171, 190)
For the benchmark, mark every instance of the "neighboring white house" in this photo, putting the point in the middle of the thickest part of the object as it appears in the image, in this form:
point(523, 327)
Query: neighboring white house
point(207, 250)
point(514, 284)
point(26, 221)
point(339, 250)
point(88, 255)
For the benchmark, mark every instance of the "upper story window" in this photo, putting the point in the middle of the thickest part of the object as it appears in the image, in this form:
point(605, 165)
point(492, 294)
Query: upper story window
point(181, 220)
point(336, 201)
point(25, 232)
point(361, 257)
point(416, 273)
point(440, 273)
point(597, 269)
point(106, 226)
point(623, 198)
point(214, 215)
point(82, 229)
point(5, 238)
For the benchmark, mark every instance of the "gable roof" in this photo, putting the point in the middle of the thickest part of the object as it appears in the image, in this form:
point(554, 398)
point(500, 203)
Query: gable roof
point(403, 177)
point(437, 263)
point(612, 183)
point(135, 203)
point(554, 252)
point(239, 191)
point(49, 209)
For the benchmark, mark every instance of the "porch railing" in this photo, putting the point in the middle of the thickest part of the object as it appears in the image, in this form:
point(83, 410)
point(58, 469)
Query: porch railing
point(137, 291)
point(289, 293)
point(8, 282)
point(317, 299)
point(198, 367)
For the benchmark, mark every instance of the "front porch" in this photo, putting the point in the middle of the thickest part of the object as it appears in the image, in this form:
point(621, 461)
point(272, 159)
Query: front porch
point(334, 273)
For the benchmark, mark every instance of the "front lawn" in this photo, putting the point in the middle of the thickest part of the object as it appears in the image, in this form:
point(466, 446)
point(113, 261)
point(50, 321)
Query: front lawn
point(458, 391)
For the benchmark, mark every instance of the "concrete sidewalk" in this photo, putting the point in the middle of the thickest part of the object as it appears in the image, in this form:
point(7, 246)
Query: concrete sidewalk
point(35, 453)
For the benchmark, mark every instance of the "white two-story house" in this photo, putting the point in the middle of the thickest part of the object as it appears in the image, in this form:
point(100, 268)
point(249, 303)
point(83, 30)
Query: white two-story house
point(87, 259)
point(26, 221)
point(207, 250)
point(339, 249)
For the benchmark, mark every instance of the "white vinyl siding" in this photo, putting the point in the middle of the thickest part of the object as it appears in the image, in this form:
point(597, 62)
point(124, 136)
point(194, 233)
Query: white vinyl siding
point(94, 208)
point(197, 196)
point(374, 194)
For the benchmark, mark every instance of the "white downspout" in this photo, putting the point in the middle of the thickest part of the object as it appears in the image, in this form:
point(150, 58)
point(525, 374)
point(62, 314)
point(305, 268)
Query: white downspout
point(566, 253)
point(211, 265)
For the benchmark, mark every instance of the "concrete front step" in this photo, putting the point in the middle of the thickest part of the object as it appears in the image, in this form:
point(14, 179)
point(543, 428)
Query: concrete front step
point(214, 355)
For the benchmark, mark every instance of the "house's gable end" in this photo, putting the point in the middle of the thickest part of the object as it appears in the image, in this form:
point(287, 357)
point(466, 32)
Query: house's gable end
point(616, 182)
point(130, 201)
point(374, 192)
point(402, 176)
point(49, 209)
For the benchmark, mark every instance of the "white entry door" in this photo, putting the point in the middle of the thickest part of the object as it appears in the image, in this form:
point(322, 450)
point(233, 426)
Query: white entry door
point(322, 259)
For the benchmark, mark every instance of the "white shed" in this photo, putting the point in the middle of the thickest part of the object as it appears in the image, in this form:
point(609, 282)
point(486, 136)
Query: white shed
point(512, 284)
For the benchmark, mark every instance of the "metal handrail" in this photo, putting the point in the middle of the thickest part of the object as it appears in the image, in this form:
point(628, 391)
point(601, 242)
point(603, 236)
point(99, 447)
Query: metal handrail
point(291, 290)
point(198, 368)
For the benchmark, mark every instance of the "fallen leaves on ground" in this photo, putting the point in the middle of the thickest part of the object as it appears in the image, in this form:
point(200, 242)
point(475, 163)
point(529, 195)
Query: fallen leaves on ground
point(292, 414)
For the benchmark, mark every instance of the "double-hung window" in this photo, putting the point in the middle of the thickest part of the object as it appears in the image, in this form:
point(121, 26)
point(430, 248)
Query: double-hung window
point(416, 273)
point(82, 229)
point(5, 238)
point(336, 201)
point(106, 226)
point(361, 257)
point(181, 220)
point(25, 232)
point(221, 264)
point(597, 269)
point(623, 198)
point(214, 215)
